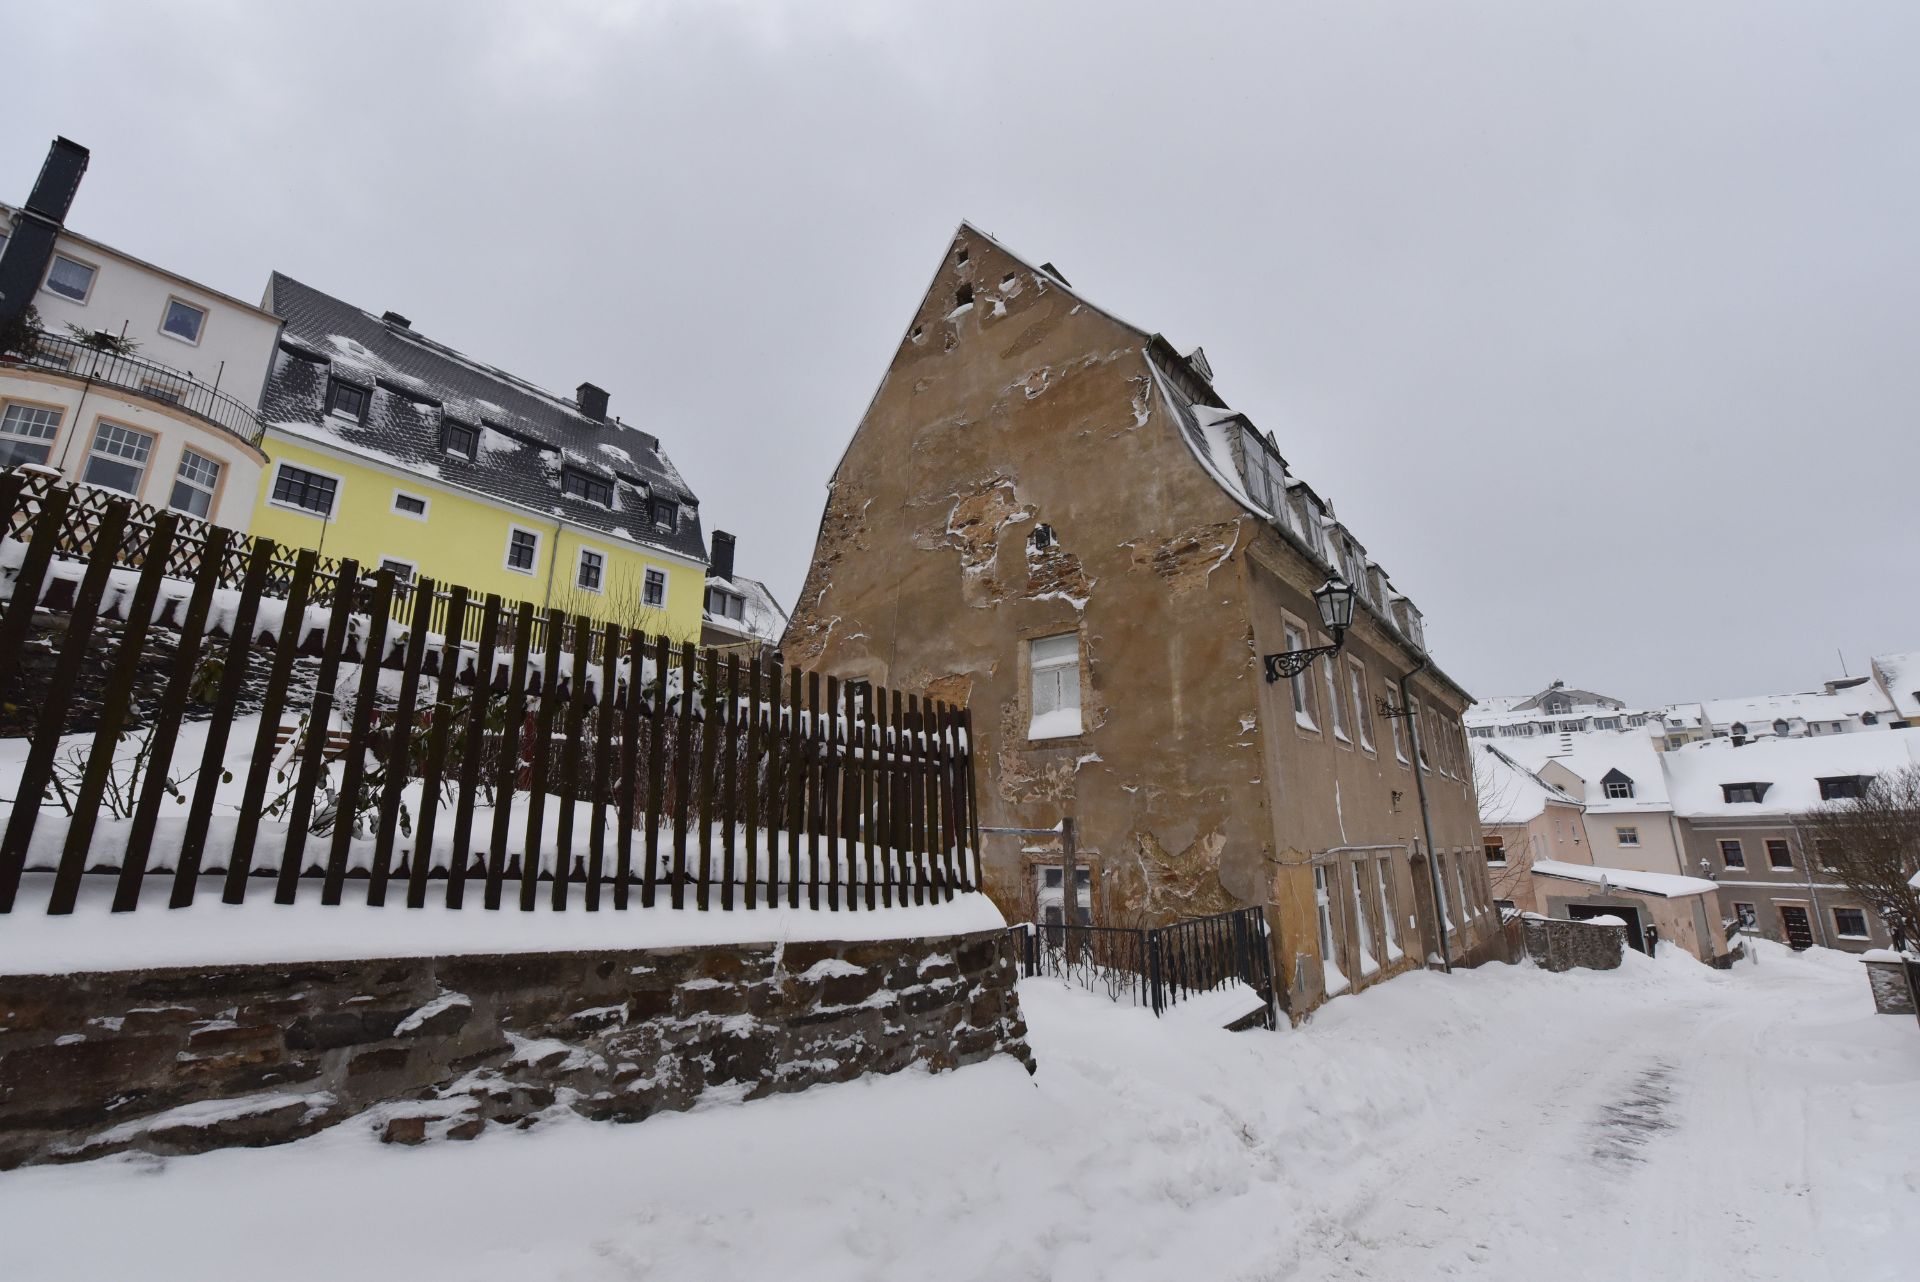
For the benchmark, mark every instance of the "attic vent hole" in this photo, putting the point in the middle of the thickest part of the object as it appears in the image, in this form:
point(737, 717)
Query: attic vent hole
point(963, 297)
point(1007, 281)
point(960, 258)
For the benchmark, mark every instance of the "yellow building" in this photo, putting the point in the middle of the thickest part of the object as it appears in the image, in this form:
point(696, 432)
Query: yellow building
point(395, 450)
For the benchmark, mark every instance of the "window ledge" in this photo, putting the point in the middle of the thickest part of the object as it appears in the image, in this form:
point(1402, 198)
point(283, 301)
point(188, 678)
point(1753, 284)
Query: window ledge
point(1305, 722)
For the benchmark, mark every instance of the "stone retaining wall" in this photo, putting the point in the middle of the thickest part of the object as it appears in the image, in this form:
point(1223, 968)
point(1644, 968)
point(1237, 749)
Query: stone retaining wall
point(185, 1060)
point(1558, 944)
point(1892, 995)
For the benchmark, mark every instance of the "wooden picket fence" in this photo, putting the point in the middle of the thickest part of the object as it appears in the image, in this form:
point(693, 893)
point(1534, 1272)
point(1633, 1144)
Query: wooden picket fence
point(698, 777)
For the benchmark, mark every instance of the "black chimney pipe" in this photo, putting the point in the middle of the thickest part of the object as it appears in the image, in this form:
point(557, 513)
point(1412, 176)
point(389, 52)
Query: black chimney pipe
point(23, 264)
point(720, 561)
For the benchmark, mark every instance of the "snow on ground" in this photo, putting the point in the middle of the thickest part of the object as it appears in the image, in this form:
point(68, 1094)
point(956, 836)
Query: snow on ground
point(1663, 1121)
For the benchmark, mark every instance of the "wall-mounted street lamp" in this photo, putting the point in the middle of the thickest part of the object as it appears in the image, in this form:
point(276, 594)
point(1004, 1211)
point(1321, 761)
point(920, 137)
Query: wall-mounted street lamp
point(1335, 599)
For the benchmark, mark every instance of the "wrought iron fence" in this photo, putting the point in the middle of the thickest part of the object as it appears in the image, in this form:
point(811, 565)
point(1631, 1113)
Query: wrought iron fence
point(141, 377)
point(1157, 966)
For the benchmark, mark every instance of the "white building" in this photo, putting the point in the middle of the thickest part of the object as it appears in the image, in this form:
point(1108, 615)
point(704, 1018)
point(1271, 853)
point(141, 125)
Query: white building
point(139, 380)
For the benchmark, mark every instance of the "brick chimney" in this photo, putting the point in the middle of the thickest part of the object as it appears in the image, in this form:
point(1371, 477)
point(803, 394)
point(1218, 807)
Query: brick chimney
point(30, 249)
point(591, 400)
point(720, 561)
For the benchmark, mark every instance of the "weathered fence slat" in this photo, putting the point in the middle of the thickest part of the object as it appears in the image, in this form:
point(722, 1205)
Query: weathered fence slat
point(399, 746)
point(683, 774)
point(116, 705)
point(286, 647)
point(439, 733)
point(319, 721)
point(32, 576)
point(605, 712)
point(555, 635)
point(508, 775)
point(776, 779)
point(346, 814)
point(629, 763)
point(656, 770)
point(711, 718)
point(154, 788)
point(730, 799)
point(575, 710)
point(30, 789)
point(474, 743)
point(750, 785)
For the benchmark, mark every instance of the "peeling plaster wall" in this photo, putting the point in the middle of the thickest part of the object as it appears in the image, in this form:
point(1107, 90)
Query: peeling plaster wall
point(1030, 406)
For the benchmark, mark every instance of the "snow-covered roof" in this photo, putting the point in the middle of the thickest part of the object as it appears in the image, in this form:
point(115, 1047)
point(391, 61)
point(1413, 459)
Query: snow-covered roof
point(1759, 712)
point(1900, 674)
point(1666, 885)
point(1592, 756)
point(1791, 767)
point(528, 436)
point(1509, 792)
point(762, 618)
point(1575, 697)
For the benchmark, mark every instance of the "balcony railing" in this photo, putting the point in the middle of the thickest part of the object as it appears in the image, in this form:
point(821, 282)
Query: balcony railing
point(140, 377)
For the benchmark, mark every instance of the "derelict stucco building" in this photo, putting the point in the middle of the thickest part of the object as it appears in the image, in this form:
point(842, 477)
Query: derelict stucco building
point(1048, 515)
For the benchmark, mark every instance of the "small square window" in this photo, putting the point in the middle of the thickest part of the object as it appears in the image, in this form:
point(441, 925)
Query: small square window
point(460, 438)
point(119, 458)
point(409, 504)
point(70, 278)
point(1496, 848)
point(666, 514)
point(591, 570)
point(1850, 923)
point(653, 590)
point(26, 434)
point(183, 321)
point(309, 491)
point(523, 549)
point(1627, 836)
point(194, 484)
point(348, 400)
point(584, 485)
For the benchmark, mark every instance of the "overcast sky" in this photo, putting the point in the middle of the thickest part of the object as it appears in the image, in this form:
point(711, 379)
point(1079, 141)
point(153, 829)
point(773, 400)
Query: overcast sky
point(1599, 323)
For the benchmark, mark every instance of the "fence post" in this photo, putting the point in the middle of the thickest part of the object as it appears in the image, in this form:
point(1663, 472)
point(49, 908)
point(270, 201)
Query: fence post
point(1155, 994)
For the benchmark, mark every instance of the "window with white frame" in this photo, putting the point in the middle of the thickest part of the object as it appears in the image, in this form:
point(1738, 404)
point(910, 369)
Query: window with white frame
point(118, 460)
point(1336, 716)
point(590, 574)
point(1053, 665)
point(1440, 880)
point(653, 589)
point(1850, 923)
point(1363, 922)
point(70, 278)
point(412, 505)
point(182, 320)
point(1627, 835)
point(523, 550)
point(26, 433)
point(1389, 909)
point(194, 483)
point(1336, 978)
point(308, 491)
point(1357, 686)
point(402, 571)
point(1297, 683)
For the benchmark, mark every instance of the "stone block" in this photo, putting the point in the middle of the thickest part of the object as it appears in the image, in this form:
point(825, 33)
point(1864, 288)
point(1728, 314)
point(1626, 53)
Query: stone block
point(331, 1030)
point(405, 1130)
point(383, 1059)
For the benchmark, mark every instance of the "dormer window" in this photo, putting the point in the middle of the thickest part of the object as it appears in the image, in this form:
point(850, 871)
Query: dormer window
point(1617, 786)
point(1842, 787)
point(347, 400)
point(1750, 794)
point(666, 514)
point(460, 438)
point(584, 485)
point(722, 604)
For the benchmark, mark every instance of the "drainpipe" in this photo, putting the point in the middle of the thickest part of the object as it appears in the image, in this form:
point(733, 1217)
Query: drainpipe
point(553, 561)
point(1426, 817)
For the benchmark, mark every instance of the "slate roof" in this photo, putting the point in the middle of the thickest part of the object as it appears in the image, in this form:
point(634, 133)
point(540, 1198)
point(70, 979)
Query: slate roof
point(528, 435)
point(765, 619)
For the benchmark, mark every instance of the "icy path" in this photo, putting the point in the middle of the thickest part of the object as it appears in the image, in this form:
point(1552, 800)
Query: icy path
point(1663, 1121)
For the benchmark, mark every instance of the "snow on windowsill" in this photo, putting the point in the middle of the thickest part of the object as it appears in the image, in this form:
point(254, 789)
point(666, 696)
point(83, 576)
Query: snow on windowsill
point(1061, 723)
point(1334, 979)
point(1305, 722)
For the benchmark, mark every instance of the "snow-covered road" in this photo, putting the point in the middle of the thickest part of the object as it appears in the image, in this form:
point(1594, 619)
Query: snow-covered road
point(1662, 1121)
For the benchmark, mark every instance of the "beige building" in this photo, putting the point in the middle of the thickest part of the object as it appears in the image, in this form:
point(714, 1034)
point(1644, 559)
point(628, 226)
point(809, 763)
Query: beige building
point(1541, 858)
point(1053, 517)
point(139, 380)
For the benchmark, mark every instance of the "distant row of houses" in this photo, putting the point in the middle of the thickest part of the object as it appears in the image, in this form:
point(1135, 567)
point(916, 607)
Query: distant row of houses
point(1698, 835)
point(320, 424)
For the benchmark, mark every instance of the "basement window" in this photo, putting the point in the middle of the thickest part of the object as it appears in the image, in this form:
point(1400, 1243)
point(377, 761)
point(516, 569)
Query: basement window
point(1054, 670)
